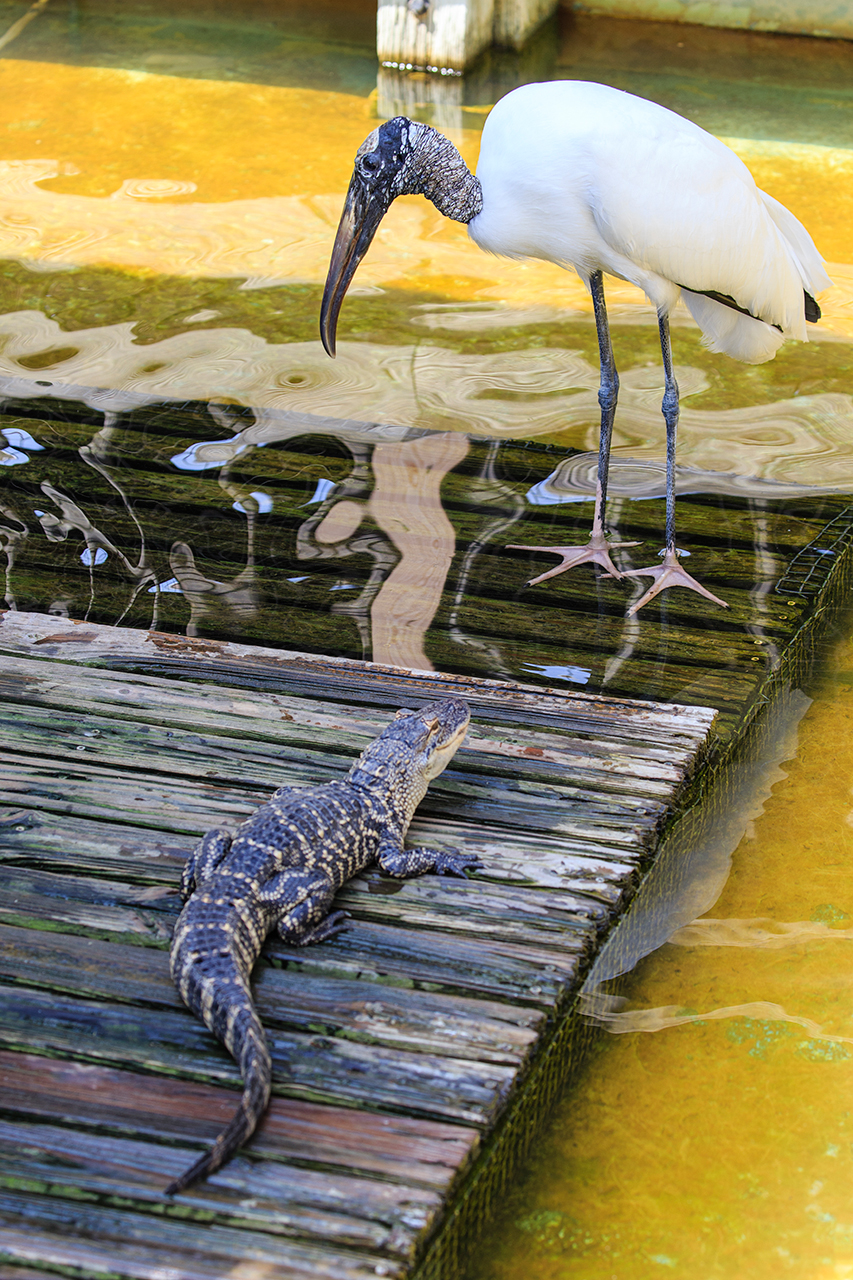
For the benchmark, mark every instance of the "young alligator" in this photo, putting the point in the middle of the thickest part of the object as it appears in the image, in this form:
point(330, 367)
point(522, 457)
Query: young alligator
point(282, 869)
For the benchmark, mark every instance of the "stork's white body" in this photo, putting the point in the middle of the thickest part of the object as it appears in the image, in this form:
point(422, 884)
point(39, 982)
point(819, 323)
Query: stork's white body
point(590, 177)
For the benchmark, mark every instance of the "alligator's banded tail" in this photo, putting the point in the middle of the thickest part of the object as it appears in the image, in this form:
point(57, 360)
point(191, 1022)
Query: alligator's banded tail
point(244, 1038)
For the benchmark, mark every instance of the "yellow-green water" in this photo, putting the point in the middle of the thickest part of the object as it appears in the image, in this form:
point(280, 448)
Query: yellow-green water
point(722, 1147)
point(151, 168)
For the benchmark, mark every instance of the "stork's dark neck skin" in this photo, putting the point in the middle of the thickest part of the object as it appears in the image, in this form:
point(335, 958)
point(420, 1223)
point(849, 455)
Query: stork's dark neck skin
point(401, 157)
point(439, 172)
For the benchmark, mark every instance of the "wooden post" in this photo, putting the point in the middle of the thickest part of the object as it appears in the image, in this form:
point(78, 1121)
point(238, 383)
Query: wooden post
point(446, 36)
point(432, 35)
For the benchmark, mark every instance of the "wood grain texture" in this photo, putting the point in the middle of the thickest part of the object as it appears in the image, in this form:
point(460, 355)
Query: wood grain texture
point(397, 1047)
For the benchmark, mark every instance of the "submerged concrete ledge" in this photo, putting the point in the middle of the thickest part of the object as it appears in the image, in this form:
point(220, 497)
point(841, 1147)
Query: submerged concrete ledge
point(812, 18)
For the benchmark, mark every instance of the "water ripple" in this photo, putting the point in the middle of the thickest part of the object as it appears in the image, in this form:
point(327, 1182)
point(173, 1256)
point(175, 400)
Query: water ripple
point(804, 441)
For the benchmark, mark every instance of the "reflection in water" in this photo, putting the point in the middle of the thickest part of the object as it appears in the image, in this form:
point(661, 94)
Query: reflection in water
point(98, 546)
point(403, 534)
point(619, 1022)
point(755, 933)
point(406, 504)
point(574, 480)
point(807, 439)
point(206, 597)
point(13, 533)
point(272, 240)
point(504, 507)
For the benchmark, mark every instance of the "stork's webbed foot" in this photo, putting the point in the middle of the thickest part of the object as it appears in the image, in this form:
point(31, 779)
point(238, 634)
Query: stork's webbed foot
point(668, 573)
point(596, 551)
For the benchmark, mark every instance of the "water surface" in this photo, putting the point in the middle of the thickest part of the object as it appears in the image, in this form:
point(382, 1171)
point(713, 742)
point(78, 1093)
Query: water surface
point(713, 1136)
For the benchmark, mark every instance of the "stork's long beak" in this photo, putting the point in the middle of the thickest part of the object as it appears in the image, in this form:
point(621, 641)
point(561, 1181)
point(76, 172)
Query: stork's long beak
point(363, 211)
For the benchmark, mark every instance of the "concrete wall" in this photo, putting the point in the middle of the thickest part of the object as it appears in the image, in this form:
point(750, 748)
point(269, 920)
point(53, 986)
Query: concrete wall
point(808, 17)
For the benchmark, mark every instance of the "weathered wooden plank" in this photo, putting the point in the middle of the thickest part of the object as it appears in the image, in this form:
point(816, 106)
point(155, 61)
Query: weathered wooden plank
point(70, 1235)
point(48, 900)
point(26, 1273)
point(543, 758)
point(534, 971)
point(547, 935)
point(504, 702)
point(69, 846)
point(528, 802)
point(423, 1153)
point(211, 711)
point(523, 974)
point(358, 1213)
point(284, 1199)
point(44, 911)
point(418, 1020)
point(317, 1067)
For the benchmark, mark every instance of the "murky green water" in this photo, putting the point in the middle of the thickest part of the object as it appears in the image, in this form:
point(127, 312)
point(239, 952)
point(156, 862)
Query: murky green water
point(181, 453)
point(713, 1135)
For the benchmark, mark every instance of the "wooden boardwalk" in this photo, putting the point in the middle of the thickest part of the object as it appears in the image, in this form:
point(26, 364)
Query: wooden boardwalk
point(400, 1049)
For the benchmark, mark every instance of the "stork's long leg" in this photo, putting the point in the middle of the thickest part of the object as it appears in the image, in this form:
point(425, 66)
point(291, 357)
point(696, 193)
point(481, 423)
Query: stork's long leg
point(597, 550)
point(669, 572)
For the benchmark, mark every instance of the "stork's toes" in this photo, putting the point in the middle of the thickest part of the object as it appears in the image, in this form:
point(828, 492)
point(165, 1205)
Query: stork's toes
point(596, 551)
point(669, 573)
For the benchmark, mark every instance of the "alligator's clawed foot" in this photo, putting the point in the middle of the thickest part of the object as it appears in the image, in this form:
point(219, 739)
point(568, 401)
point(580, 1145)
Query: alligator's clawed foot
point(668, 573)
point(596, 551)
point(449, 862)
point(329, 927)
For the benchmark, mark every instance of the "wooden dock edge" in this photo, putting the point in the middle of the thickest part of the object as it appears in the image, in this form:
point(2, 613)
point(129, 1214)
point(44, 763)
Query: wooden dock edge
point(563, 1054)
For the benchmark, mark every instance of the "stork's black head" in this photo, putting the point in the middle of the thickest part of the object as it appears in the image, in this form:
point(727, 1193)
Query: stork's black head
point(384, 169)
point(401, 157)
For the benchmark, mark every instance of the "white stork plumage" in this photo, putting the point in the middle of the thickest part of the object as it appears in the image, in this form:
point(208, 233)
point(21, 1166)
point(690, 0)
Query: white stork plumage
point(587, 176)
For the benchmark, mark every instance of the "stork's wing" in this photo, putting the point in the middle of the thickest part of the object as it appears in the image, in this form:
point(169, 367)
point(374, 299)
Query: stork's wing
point(696, 218)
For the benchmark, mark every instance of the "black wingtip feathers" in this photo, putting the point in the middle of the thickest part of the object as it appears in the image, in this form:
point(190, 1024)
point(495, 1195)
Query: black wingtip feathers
point(812, 309)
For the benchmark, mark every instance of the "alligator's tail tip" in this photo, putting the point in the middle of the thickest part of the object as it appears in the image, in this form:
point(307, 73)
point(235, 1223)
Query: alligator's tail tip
point(203, 1166)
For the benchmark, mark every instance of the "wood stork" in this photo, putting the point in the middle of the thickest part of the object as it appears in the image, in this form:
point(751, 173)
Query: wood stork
point(587, 176)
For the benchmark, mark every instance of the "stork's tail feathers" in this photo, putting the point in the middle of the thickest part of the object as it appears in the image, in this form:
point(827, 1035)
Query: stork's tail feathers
point(730, 326)
point(731, 331)
point(250, 1049)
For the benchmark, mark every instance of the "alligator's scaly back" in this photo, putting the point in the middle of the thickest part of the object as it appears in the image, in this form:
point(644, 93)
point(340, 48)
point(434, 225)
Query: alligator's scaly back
point(282, 870)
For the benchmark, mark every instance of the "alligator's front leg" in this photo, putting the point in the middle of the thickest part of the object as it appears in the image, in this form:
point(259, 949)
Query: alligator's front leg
point(395, 860)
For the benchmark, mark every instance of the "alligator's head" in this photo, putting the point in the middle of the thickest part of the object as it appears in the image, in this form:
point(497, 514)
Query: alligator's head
point(433, 734)
point(414, 748)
